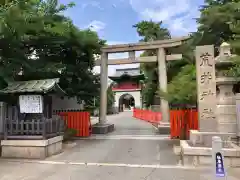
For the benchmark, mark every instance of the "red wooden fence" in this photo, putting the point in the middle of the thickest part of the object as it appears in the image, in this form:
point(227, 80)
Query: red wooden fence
point(79, 121)
point(146, 115)
point(183, 120)
point(179, 120)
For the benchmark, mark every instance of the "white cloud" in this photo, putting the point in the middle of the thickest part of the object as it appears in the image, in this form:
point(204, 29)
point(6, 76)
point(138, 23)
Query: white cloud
point(92, 4)
point(176, 14)
point(112, 68)
point(96, 25)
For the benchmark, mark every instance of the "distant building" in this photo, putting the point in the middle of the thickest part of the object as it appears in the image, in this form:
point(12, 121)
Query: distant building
point(127, 88)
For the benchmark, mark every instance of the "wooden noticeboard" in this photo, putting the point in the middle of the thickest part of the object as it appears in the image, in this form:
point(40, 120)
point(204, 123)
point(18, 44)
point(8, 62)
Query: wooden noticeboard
point(31, 103)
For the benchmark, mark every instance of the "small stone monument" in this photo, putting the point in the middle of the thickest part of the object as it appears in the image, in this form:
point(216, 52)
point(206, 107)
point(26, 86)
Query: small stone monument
point(206, 83)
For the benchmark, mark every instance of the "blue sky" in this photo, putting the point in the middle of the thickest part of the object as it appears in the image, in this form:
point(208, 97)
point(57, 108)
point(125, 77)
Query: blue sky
point(113, 19)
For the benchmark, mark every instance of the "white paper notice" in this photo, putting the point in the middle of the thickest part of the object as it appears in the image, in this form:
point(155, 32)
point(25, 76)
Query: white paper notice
point(31, 103)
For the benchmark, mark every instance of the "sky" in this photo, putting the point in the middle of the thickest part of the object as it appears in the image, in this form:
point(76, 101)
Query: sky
point(114, 19)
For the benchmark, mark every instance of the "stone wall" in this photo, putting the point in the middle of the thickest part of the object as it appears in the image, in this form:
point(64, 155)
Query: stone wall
point(65, 103)
point(31, 149)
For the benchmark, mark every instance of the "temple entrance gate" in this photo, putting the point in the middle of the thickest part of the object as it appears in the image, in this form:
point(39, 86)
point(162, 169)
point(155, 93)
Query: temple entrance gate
point(161, 47)
point(126, 101)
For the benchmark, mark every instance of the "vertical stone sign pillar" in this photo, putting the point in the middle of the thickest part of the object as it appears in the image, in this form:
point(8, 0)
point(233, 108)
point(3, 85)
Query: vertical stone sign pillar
point(206, 86)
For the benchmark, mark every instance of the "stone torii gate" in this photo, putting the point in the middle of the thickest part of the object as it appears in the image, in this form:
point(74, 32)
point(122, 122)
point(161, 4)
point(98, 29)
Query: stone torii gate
point(103, 127)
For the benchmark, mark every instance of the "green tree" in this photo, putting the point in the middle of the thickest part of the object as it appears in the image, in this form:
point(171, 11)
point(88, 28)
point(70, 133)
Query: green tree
point(110, 97)
point(150, 30)
point(215, 21)
point(219, 22)
point(235, 70)
point(182, 89)
point(61, 49)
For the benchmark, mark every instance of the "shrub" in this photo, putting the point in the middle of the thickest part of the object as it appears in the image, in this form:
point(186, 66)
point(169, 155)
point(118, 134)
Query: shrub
point(69, 134)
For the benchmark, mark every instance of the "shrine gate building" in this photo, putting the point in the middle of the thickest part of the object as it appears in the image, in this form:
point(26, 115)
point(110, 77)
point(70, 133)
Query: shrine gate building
point(127, 88)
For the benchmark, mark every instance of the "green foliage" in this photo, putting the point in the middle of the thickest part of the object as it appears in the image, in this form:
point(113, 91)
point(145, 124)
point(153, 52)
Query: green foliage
point(110, 97)
point(150, 30)
point(148, 92)
point(236, 39)
point(182, 89)
point(220, 19)
point(235, 43)
point(215, 20)
point(62, 50)
point(69, 134)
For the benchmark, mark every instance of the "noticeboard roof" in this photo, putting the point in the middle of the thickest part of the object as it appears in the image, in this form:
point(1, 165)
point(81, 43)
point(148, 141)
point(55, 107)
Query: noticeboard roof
point(32, 86)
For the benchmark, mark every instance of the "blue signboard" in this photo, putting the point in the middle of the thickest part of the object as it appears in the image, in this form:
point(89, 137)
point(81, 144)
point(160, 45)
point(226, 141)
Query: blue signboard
point(219, 165)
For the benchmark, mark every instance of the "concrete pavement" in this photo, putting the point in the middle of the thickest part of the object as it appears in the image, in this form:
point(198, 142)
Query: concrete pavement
point(121, 151)
point(51, 171)
point(125, 124)
point(132, 152)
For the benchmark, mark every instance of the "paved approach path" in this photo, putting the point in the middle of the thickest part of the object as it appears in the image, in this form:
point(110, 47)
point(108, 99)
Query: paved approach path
point(125, 124)
point(132, 152)
point(133, 142)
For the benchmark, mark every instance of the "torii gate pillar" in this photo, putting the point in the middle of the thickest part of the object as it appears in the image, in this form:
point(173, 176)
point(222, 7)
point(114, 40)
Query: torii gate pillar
point(104, 86)
point(102, 127)
point(162, 78)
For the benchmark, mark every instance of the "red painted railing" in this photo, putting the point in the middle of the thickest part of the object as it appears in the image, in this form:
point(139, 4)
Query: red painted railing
point(146, 115)
point(182, 121)
point(79, 121)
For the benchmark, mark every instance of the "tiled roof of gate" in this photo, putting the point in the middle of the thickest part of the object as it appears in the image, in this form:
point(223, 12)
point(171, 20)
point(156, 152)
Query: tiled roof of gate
point(131, 72)
point(41, 86)
point(128, 72)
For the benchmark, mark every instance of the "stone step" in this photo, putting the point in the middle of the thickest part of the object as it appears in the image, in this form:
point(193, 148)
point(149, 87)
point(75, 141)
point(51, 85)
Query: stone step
point(164, 129)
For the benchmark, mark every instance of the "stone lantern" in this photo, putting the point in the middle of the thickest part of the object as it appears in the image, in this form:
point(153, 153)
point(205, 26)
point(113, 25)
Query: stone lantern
point(226, 100)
